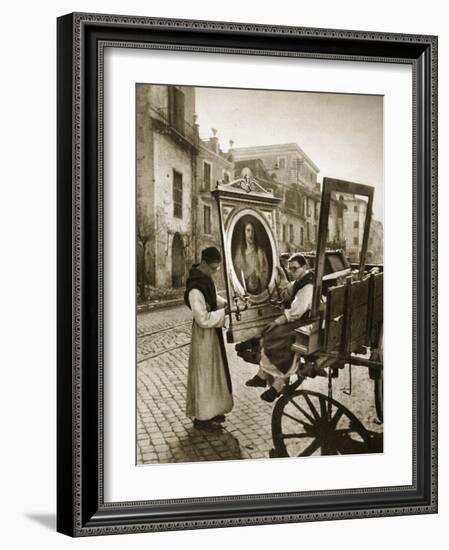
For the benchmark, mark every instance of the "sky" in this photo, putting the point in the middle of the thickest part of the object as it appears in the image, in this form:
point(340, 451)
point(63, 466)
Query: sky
point(341, 133)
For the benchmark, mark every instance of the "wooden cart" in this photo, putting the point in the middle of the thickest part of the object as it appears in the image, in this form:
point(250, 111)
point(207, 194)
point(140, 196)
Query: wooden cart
point(345, 329)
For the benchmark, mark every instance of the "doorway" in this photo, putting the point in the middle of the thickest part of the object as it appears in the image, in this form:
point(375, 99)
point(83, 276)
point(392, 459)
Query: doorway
point(178, 263)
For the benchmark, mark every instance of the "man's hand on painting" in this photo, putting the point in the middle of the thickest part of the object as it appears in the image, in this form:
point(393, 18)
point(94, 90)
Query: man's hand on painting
point(282, 281)
point(280, 275)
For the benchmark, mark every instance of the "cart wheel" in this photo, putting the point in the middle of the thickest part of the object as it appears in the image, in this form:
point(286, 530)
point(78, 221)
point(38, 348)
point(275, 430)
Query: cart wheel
point(379, 382)
point(301, 426)
point(379, 396)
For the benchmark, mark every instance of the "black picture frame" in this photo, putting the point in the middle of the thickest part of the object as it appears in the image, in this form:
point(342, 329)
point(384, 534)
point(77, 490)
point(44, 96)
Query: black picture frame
point(81, 510)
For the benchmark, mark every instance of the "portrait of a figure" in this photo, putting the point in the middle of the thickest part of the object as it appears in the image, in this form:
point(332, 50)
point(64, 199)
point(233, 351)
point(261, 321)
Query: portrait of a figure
point(251, 255)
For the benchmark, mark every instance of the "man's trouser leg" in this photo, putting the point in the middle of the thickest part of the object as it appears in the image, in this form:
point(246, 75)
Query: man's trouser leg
point(268, 372)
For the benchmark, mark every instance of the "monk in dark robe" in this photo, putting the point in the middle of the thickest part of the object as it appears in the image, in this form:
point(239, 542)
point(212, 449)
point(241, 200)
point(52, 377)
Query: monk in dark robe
point(209, 389)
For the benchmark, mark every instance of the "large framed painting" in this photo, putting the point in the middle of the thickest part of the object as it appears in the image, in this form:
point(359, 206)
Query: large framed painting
point(246, 274)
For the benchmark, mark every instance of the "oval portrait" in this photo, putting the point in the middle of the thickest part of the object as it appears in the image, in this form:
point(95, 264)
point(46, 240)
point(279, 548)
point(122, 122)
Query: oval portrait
point(252, 256)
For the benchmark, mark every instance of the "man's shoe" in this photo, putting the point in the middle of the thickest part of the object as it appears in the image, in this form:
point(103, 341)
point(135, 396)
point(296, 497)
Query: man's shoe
point(256, 382)
point(250, 356)
point(270, 395)
point(206, 425)
point(219, 418)
point(252, 343)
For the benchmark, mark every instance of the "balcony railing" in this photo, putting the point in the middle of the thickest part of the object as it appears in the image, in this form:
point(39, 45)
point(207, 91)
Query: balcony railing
point(181, 130)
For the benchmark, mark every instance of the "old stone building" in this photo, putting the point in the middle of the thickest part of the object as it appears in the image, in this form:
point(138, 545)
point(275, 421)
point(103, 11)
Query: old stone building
point(292, 176)
point(353, 225)
point(177, 171)
point(375, 253)
point(167, 149)
point(349, 222)
point(213, 165)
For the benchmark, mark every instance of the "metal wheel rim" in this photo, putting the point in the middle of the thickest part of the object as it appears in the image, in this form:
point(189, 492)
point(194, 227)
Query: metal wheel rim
point(343, 433)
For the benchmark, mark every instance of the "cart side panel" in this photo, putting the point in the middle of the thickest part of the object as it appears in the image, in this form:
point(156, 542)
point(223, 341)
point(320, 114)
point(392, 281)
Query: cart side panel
point(355, 333)
point(335, 307)
point(377, 308)
point(359, 314)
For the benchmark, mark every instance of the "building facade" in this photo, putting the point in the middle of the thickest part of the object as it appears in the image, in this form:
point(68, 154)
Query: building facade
point(292, 175)
point(376, 243)
point(213, 165)
point(353, 224)
point(347, 223)
point(167, 149)
point(177, 217)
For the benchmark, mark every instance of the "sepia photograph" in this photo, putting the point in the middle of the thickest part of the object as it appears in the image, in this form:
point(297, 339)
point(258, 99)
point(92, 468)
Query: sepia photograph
point(228, 196)
point(259, 274)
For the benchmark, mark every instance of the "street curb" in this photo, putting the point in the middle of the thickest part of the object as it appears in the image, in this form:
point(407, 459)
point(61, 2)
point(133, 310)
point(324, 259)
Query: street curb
point(144, 308)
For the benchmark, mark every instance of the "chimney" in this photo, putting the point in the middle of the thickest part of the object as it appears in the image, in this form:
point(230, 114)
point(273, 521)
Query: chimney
point(196, 124)
point(214, 141)
point(230, 152)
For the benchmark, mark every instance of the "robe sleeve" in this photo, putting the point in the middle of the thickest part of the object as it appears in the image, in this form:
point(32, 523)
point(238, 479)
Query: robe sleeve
point(204, 318)
point(221, 302)
point(301, 303)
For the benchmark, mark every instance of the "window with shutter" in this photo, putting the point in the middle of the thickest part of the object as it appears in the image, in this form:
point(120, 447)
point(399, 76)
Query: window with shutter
point(176, 103)
point(207, 171)
point(207, 220)
point(177, 194)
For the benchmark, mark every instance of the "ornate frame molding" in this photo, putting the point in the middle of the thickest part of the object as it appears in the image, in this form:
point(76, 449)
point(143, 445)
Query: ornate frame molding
point(81, 41)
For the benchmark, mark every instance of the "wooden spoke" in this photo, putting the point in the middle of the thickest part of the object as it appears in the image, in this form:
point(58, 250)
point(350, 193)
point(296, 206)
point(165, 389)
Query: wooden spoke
point(314, 446)
point(334, 420)
point(298, 420)
point(323, 406)
point(306, 414)
point(311, 405)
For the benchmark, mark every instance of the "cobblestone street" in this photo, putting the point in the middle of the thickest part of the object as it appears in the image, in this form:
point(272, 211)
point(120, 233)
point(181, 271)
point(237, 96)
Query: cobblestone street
point(165, 434)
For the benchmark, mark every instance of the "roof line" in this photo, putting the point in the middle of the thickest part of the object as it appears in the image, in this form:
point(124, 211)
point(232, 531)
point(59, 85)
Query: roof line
point(279, 145)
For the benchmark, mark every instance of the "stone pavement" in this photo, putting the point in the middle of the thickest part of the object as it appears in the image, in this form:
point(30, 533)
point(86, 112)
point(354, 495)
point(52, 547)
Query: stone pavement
point(165, 434)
